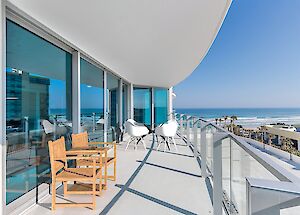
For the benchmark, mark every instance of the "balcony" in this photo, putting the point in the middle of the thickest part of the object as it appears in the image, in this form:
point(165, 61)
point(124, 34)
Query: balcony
point(148, 182)
point(213, 172)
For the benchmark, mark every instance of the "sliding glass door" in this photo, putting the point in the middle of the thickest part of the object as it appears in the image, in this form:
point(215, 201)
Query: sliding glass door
point(91, 100)
point(113, 97)
point(125, 110)
point(38, 108)
point(160, 105)
point(142, 105)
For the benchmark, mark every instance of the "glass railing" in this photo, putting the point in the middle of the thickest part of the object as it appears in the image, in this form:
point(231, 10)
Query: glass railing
point(94, 124)
point(244, 180)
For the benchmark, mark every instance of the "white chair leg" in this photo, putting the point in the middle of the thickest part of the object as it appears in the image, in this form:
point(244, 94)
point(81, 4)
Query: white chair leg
point(142, 140)
point(165, 148)
point(168, 143)
point(158, 144)
point(128, 143)
point(135, 143)
point(174, 144)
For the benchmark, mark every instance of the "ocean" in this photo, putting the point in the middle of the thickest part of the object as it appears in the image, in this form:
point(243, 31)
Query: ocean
point(248, 117)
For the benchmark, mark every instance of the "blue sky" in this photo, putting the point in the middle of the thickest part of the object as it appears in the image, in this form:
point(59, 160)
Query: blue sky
point(254, 61)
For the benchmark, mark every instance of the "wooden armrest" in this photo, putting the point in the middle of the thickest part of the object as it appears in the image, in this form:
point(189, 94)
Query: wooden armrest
point(77, 158)
point(103, 143)
point(81, 158)
point(85, 152)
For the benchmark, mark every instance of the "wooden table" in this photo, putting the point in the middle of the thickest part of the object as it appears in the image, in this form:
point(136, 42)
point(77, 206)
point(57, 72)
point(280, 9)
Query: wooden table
point(92, 150)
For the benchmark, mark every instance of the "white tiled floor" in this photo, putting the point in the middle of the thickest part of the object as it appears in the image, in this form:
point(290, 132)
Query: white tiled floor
point(168, 183)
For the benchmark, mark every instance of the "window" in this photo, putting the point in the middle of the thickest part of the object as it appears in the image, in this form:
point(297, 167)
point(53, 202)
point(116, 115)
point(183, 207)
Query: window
point(125, 102)
point(160, 105)
point(142, 105)
point(38, 107)
point(112, 106)
point(91, 100)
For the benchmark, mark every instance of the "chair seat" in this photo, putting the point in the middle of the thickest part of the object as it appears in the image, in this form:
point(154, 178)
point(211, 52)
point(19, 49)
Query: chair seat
point(90, 162)
point(74, 174)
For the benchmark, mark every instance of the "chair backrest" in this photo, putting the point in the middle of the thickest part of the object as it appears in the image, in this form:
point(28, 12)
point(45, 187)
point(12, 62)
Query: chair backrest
point(57, 152)
point(135, 130)
point(132, 121)
point(169, 129)
point(48, 126)
point(80, 140)
point(128, 127)
point(101, 121)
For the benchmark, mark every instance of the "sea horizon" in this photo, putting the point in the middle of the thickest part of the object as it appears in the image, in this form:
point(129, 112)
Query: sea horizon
point(248, 117)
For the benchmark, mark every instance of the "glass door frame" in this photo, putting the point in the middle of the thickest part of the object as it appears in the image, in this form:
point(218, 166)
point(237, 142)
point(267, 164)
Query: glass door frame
point(152, 103)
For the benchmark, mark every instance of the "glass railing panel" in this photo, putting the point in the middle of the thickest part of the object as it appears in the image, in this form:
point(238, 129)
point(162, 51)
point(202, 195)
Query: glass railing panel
point(226, 173)
point(209, 134)
point(244, 165)
point(93, 123)
point(197, 135)
point(269, 202)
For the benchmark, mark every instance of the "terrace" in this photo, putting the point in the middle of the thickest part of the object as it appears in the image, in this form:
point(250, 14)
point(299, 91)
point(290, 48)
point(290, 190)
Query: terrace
point(106, 63)
point(224, 175)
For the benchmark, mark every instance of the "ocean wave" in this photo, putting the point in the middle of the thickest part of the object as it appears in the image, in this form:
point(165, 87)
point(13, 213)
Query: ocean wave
point(260, 121)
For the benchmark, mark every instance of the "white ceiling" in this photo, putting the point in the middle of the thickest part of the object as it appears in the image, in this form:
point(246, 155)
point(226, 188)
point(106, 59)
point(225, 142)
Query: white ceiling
point(147, 42)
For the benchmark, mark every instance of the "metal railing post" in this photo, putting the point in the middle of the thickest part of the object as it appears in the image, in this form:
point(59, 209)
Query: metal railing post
point(188, 131)
point(248, 196)
point(217, 174)
point(181, 124)
point(94, 122)
point(26, 129)
point(195, 140)
point(203, 153)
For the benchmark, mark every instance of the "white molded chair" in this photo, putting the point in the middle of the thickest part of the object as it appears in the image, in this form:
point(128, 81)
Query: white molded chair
point(167, 131)
point(49, 128)
point(136, 132)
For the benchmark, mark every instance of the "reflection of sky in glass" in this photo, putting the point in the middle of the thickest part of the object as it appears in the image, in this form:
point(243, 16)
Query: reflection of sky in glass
point(91, 97)
point(160, 97)
point(57, 94)
point(142, 98)
point(161, 105)
point(91, 87)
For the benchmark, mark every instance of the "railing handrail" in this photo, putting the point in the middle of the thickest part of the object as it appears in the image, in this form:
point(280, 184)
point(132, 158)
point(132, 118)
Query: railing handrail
point(288, 182)
point(279, 172)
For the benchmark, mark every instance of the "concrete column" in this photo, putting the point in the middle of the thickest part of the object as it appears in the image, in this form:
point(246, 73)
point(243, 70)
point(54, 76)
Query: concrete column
point(152, 109)
point(105, 107)
point(131, 101)
point(76, 92)
point(3, 108)
point(120, 103)
point(170, 104)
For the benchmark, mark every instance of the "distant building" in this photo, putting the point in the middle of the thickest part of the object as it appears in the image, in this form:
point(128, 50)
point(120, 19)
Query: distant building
point(27, 96)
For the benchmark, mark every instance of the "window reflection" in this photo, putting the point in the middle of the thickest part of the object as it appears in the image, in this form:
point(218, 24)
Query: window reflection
point(38, 107)
point(160, 105)
point(125, 102)
point(142, 105)
point(112, 106)
point(91, 98)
